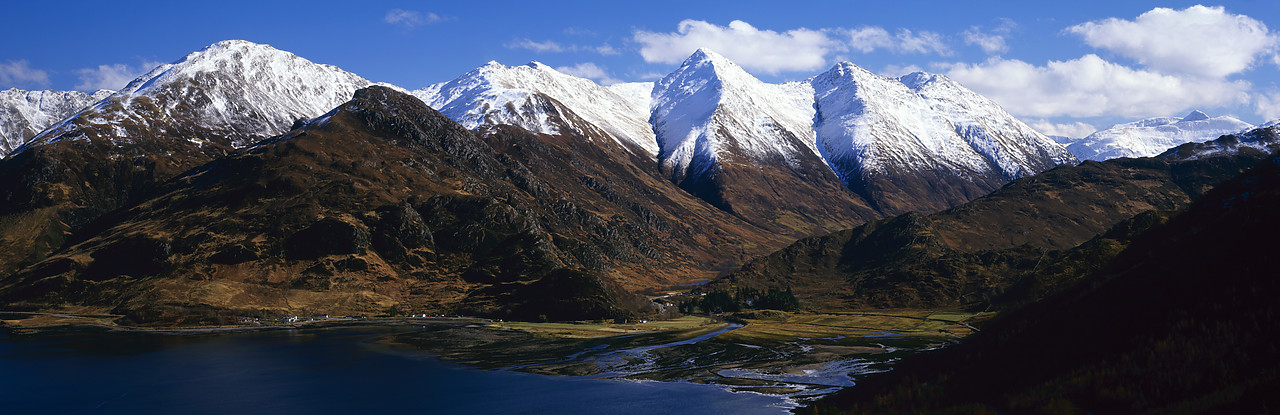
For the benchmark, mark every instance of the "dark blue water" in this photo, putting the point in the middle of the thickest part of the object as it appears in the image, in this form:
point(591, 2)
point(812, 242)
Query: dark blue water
point(309, 371)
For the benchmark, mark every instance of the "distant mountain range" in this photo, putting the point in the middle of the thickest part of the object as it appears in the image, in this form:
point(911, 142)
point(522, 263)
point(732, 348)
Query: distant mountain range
point(899, 148)
point(1152, 136)
point(245, 180)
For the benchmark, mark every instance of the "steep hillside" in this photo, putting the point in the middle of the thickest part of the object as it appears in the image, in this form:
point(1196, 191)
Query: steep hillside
point(1012, 146)
point(1179, 322)
point(747, 147)
point(969, 255)
point(176, 117)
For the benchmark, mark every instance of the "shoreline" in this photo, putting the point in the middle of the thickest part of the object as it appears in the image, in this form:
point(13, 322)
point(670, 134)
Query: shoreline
point(70, 322)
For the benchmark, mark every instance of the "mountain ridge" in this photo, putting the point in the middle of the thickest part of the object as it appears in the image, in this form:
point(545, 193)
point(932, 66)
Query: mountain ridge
point(1152, 136)
point(344, 212)
point(24, 114)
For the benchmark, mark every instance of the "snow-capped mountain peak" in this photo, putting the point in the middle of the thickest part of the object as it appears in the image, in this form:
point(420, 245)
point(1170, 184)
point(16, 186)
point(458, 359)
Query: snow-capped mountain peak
point(705, 59)
point(1015, 148)
point(1153, 136)
point(23, 114)
point(233, 90)
point(869, 124)
point(498, 94)
point(710, 106)
point(1195, 115)
point(915, 80)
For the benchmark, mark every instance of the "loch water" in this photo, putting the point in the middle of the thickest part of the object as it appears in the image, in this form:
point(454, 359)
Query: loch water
point(314, 370)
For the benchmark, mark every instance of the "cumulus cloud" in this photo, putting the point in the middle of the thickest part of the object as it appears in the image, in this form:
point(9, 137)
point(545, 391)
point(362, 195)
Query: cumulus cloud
point(606, 50)
point(1090, 86)
point(410, 19)
point(540, 47)
point(1267, 105)
point(758, 50)
point(551, 46)
point(895, 71)
point(1073, 130)
point(578, 31)
point(649, 76)
point(990, 43)
point(869, 38)
point(590, 71)
point(19, 72)
point(111, 77)
point(1199, 40)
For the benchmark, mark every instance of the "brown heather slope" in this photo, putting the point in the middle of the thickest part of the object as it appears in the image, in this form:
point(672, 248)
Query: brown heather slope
point(386, 206)
point(51, 190)
point(794, 198)
point(968, 256)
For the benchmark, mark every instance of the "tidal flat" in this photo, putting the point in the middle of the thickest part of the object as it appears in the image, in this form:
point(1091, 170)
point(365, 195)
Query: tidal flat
point(799, 356)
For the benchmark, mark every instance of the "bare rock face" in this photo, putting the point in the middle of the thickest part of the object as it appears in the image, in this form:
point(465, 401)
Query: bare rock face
point(133, 256)
point(328, 236)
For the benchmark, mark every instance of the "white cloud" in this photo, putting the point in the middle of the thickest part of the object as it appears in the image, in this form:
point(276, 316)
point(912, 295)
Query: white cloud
point(1090, 86)
point(540, 47)
point(1267, 105)
point(606, 50)
point(899, 70)
point(759, 50)
point(990, 43)
point(411, 19)
point(19, 72)
point(1071, 129)
point(1199, 40)
point(551, 46)
point(590, 71)
point(869, 38)
point(649, 76)
point(113, 77)
point(578, 31)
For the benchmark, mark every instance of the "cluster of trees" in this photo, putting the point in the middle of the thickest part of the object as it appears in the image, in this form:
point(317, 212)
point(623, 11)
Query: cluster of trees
point(744, 298)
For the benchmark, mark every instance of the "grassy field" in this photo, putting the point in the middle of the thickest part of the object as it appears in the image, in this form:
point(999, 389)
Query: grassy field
point(592, 330)
point(777, 325)
point(774, 325)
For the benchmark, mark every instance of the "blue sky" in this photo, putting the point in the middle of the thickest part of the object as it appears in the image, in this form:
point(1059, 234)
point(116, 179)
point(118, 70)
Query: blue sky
point(1064, 67)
